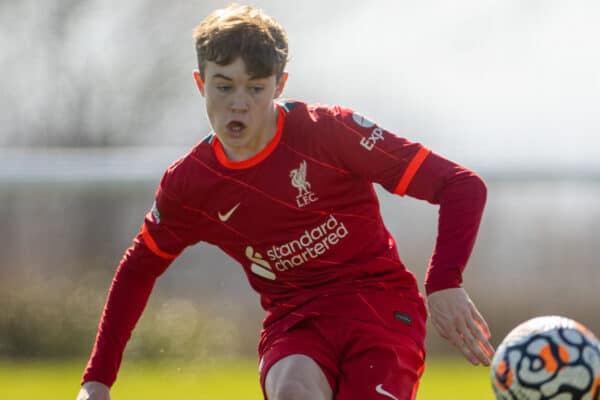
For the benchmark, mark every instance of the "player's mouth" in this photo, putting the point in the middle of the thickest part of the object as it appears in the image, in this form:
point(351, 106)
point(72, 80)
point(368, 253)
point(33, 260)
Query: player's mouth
point(236, 128)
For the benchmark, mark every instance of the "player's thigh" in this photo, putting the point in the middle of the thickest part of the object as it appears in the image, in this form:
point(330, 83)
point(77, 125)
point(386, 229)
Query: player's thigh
point(388, 371)
point(297, 377)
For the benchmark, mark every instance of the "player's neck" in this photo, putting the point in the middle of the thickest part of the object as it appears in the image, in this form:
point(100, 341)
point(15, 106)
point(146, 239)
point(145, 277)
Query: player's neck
point(256, 144)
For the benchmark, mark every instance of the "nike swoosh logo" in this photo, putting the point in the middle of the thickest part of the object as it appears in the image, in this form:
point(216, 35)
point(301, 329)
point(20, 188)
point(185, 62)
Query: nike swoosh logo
point(226, 216)
point(379, 389)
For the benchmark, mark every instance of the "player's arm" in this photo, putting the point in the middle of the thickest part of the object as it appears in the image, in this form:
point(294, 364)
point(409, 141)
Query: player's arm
point(408, 168)
point(461, 195)
point(129, 292)
point(161, 238)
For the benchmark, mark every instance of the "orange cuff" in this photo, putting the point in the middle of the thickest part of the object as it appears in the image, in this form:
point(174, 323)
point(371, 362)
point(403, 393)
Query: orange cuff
point(153, 246)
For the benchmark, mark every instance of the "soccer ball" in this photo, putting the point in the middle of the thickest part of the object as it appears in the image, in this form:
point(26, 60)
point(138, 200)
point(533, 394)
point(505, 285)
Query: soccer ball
point(547, 358)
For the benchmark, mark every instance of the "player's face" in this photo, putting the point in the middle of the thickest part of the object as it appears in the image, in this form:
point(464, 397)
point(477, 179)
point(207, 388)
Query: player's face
point(240, 107)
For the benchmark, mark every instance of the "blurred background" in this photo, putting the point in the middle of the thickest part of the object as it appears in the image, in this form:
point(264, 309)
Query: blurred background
point(97, 99)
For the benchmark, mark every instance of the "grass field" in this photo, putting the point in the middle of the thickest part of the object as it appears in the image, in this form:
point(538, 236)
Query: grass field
point(446, 379)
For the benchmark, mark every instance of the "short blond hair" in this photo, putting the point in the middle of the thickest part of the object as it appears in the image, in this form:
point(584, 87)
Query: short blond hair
point(242, 31)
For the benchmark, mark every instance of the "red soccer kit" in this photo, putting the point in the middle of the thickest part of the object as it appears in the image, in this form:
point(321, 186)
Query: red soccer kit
point(303, 220)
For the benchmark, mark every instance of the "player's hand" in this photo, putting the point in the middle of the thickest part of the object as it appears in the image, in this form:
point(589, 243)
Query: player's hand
point(94, 391)
point(457, 319)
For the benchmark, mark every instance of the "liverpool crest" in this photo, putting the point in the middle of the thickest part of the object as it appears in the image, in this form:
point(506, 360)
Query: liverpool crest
point(298, 177)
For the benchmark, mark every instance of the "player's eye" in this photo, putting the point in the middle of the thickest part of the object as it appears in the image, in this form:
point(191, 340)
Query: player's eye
point(256, 89)
point(224, 88)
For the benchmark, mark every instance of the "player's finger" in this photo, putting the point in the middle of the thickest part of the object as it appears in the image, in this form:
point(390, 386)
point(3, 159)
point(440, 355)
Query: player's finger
point(456, 339)
point(480, 345)
point(464, 347)
point(478, 333)
point(453, 332)
point(472, 343)
point(480, 329)
point(474, 339)
point(479, 320)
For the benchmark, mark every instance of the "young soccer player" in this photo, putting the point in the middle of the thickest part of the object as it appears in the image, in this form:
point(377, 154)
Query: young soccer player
point(286, 189)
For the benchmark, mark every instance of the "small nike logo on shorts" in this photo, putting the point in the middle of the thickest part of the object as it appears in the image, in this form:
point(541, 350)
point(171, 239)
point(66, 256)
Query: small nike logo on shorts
point(228, 214)
point(379, 389)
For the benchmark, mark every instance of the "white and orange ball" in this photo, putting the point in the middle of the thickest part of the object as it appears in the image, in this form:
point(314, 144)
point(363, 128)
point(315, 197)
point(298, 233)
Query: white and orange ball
point(547, 358)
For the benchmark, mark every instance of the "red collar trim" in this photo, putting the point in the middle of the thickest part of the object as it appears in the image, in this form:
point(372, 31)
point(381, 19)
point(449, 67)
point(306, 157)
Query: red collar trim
point(258, 157)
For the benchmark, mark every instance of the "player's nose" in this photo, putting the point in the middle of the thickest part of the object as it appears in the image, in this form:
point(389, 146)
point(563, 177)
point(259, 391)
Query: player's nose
point(238, 102)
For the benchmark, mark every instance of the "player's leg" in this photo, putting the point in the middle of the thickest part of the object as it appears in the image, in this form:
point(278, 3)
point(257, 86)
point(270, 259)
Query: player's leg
point(298, 363)
point(297, 377)
point(380, 364)
point(391, 373)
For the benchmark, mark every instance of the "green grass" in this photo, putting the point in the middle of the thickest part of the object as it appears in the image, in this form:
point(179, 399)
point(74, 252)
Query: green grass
point(446, 379)
point(455, 379)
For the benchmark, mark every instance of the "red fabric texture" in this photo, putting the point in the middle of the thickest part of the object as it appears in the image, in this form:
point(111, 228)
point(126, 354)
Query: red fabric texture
point(306, 227)
point(358, 358)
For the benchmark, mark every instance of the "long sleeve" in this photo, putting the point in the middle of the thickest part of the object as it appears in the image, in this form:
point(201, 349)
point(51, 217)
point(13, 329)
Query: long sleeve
point(163, 236)
point(408, 168)
point(461, 195)
point(127, 298)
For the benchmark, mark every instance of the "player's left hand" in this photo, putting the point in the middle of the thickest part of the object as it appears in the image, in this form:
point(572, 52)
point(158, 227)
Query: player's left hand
point(456, 319)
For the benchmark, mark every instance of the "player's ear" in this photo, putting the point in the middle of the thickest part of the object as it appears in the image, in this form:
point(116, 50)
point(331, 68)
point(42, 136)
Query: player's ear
point(199, 82)
point(280, 85)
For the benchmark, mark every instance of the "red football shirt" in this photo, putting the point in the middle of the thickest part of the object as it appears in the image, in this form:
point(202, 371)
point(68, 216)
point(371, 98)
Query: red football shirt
point(302, 219)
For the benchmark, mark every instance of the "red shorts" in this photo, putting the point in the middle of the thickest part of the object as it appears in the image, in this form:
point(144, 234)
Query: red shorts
point(361, 360)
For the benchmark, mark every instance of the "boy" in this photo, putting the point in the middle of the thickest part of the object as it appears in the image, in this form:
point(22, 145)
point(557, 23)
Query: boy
point(286, 189)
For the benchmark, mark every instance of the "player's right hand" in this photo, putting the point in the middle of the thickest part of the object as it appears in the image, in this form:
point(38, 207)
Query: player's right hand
point(94, 391)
